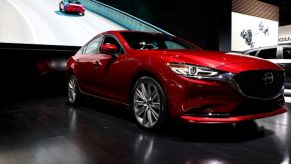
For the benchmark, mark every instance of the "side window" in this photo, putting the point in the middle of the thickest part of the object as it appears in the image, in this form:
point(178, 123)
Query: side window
point(93, 46)
point(286, 52)
point(268, 53)
point(173, 45)
point(111, 40)
point(253, 53)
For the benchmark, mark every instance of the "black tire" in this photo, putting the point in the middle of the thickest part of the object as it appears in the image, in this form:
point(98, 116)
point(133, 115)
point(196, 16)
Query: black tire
point(149, 103)
point(74, 94)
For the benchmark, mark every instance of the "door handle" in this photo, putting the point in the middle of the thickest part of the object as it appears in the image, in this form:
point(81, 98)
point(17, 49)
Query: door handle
point(97, 63)
point(77, 61)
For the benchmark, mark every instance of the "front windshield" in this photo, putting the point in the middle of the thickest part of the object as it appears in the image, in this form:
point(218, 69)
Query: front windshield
point(156, 41)
point(74, 1)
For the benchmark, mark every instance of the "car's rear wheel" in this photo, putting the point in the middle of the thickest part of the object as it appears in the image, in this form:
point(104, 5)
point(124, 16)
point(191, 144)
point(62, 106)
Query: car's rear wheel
point(74, 95)
point(149, 103)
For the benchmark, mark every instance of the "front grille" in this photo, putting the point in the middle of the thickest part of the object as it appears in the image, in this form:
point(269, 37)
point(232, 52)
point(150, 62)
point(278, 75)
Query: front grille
point(260, 84)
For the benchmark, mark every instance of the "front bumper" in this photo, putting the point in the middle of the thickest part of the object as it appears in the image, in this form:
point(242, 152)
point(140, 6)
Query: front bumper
point(210, 101)
point(232, 119)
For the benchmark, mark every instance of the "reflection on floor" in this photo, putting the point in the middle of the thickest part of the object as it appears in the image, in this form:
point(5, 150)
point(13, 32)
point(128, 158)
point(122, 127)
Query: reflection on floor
point(48, 130)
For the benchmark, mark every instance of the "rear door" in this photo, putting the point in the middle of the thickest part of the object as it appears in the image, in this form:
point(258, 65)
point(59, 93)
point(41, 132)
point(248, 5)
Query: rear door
point(85, 69)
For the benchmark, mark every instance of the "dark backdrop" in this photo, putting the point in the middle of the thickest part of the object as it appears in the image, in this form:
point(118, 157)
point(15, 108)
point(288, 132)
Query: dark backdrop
point(204, 23)
point(33, 70)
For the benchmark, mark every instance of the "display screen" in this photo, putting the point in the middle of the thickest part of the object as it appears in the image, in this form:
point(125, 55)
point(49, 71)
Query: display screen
point(249, 32)
point(42, 22)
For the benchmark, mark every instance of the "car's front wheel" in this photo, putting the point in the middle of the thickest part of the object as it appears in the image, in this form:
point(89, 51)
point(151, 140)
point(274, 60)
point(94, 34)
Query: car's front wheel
point(74, 94)
point(149, 103)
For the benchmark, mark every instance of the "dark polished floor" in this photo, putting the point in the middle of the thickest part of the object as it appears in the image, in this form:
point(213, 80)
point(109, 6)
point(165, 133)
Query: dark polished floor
point(49, 130)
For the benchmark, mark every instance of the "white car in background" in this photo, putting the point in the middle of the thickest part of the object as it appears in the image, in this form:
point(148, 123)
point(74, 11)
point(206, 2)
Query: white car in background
point(279, 54)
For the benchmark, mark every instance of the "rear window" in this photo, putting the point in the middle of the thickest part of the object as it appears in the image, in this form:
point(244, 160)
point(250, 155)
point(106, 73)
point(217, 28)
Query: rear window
point(73, 1)
point(268, 53)
point(287, 53)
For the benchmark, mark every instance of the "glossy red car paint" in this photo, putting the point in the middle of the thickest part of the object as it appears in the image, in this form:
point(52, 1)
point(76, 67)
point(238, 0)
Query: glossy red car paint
point(72, 7)
point(190, 99)
point(232, 119)
point(76, 8)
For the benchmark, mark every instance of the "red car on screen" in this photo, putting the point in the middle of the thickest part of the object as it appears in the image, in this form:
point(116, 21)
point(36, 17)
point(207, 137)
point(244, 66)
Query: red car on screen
point(72, 6)
point(161, 76)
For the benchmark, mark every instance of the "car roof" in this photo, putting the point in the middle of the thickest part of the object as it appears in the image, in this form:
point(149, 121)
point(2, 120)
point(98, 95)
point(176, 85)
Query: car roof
point(133, 31)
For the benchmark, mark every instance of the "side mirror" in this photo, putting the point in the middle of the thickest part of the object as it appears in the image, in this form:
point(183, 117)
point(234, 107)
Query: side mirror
point(109, 48)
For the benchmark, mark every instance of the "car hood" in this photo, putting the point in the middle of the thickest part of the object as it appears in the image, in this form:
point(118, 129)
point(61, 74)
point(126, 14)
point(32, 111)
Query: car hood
point(234, 63)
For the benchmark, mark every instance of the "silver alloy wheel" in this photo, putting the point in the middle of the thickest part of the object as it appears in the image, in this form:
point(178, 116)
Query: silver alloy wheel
point(72, 89)
point(147, 104)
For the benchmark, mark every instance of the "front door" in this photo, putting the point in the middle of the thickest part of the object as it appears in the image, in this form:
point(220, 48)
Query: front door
point(109, 72)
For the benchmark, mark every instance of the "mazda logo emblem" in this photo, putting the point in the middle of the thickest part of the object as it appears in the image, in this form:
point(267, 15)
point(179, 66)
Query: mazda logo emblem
point(268, 78)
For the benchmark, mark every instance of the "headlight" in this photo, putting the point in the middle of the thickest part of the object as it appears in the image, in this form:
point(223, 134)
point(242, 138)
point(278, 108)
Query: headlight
point(192, 70)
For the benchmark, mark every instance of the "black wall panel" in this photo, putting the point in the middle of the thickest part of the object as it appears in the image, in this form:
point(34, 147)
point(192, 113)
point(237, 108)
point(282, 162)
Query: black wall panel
point(196, 21)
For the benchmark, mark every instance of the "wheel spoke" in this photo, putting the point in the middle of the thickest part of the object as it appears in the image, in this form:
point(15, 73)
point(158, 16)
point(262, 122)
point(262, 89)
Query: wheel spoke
point(143, 89)
point(70, 84)
point(156, 105)
point(138, 103)
point(73, 94)
point(154, 95)
point(140, 94)
point(149, 116)
point(154, 113)
point(70, 95)
point(144, 122)
point(140, 111)
point(149, 91)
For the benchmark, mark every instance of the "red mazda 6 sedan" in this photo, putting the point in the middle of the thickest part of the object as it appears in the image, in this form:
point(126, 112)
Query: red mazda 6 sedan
point(160, 76)
point(72, 6)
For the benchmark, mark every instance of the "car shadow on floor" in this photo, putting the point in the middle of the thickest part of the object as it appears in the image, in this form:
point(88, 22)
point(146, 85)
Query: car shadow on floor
point(175, 130)
point(62, 13)
point(215, 133)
